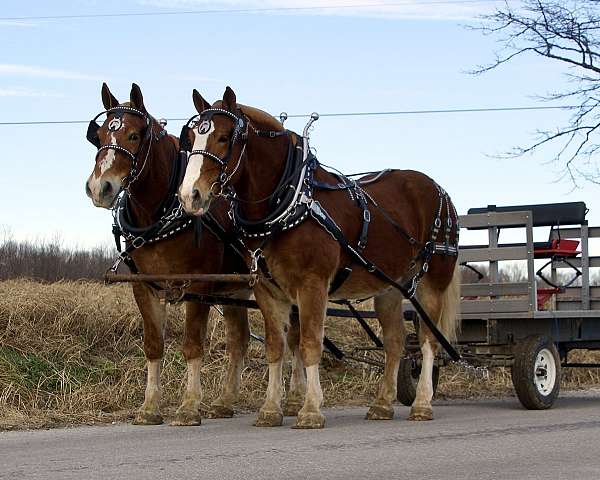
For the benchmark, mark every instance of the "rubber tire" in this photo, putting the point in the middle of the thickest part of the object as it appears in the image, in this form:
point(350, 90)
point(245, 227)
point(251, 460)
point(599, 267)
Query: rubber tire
point(522, 373)
point(407, 381)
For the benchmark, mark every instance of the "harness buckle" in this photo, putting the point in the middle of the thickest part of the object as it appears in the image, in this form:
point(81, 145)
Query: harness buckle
point(305, 199)
point(138, 242)
point(429, 249)
point(115, 265)
point(255, 256)
point(367, 216)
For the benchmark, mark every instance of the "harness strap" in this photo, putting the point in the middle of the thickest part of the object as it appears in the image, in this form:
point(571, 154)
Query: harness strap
point(329, 186)
point(232, 240)
point(323, 219)
point(270, 133)
point(340, 277)
point(366, 220)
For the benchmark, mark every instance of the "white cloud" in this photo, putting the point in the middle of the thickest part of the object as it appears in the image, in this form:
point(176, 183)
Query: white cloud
point(7, 69)
point(17, 23)
point(26, 92)
point(390, 9)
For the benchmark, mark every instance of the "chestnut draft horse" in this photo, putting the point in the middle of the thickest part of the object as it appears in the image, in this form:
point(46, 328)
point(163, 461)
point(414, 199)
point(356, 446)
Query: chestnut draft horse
point(297, 216)
point(137, 155)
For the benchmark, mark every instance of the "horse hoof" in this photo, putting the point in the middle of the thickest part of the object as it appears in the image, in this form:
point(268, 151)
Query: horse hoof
point(220, 411)
point(312, 420)
point(269, 419)
point(420, 414)
point(379, 412)
point(148, 418)
point(291, 409)
point(187, 418)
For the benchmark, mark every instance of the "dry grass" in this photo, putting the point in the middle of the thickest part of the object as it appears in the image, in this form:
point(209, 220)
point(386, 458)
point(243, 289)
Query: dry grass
point(71, 353)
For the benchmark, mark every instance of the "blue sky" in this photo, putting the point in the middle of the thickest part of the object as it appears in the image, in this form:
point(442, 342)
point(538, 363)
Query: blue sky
point(362, 59)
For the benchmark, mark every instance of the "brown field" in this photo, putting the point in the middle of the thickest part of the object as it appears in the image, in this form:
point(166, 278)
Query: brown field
point(71, 353)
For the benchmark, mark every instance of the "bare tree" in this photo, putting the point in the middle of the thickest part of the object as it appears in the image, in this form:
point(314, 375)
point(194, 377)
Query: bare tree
point(567, 32)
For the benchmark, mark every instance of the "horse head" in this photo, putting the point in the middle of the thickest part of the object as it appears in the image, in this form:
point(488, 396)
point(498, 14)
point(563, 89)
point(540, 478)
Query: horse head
point(215, 142)
point(122, 142)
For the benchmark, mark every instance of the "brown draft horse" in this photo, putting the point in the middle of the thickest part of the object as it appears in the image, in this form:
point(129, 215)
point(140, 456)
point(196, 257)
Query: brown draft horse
point(303, 260)
point(176, 254)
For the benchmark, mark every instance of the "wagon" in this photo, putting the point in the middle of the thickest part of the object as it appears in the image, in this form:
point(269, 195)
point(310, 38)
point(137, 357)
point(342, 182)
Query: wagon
point(532, 324)
point(529, 325)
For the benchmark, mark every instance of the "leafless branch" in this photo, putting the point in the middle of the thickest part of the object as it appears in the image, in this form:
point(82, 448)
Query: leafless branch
point(567, 32)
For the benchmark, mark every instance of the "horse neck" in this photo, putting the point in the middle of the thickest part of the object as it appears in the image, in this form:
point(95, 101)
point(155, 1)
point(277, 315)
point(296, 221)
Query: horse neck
point(152, 186)
point(262, 170)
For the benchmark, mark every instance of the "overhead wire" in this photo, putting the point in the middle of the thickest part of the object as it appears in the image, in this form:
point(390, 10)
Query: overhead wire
point(248, 10)
point(340, 114)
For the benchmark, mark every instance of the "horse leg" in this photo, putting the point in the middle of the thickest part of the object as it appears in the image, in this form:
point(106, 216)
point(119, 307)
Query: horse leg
point(431, 301)
point(276, 316)
point(443, 307)
point(389, 312)
point(153, 315)
point(238, 336)
point(421, 408)
point(297, 391)
point(312, 304)
point(196, 319)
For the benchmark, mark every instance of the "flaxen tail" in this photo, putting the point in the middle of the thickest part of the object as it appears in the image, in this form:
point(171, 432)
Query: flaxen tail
point(450, 317)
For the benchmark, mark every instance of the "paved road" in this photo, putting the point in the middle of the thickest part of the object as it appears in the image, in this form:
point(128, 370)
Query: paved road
point(493, 439)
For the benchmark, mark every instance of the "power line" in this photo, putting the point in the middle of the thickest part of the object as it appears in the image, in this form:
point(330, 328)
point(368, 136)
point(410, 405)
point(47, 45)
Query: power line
point(247, 10)
point(343, 114)
point(425, 112)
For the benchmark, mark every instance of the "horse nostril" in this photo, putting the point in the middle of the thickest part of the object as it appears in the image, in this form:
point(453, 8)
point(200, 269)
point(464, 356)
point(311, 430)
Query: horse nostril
point(106, 189)
point(88, 190)
point(195, 195)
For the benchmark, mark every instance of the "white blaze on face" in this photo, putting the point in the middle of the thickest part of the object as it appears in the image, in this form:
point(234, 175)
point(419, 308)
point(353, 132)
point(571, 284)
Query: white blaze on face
point(192, 173)
point(109, 155)
point(107, 160)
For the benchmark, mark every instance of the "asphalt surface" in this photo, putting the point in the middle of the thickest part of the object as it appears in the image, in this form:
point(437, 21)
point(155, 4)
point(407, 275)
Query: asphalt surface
point(490, 439)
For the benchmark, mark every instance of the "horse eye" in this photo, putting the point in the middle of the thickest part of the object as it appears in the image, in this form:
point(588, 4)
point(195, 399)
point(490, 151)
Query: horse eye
point(223, 139)
point(134, 137)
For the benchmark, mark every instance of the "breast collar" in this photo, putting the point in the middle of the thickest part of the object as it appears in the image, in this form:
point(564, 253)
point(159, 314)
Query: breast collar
point(288, 206)
point(172, 220)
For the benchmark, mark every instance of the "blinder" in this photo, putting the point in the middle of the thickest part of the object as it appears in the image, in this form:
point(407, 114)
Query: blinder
point(185, 145)
point(117, 112)
point(92, 133)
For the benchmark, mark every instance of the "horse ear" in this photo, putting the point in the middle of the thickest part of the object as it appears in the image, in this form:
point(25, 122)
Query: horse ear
point(136, 98)
point(229, 100)
point(199, 101)
point(108, 99)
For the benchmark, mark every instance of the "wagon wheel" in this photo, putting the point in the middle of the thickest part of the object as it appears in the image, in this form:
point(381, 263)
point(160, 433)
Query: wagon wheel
point(408, 377)
point(536, 372)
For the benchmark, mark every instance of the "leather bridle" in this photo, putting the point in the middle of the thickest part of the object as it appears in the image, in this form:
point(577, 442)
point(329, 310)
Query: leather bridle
point(201, 123)
point(116, 123)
